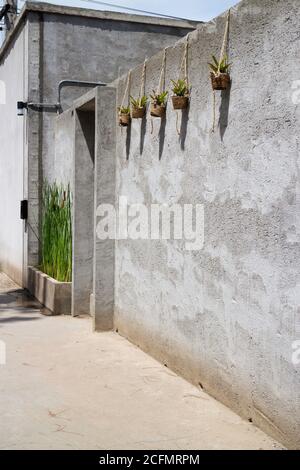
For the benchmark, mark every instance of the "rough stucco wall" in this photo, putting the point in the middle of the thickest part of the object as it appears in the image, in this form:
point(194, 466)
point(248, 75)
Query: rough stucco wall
point(64, 131)
point(90, 49)
point(12, 143)
point(224, 317)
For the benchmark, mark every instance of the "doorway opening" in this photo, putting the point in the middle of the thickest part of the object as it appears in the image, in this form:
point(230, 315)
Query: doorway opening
point(83, 209)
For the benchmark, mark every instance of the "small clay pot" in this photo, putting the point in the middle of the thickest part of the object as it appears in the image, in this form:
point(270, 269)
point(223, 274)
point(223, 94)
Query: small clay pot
point(221, 81)
point(138, 113)
point(158, 110)
point(180, 102)
point(124, 119)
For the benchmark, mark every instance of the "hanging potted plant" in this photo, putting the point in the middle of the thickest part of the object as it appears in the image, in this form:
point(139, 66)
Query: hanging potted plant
point(158, 104)
point(181, 94)
point(138, 107)
point(220, 77)
point(124, 116)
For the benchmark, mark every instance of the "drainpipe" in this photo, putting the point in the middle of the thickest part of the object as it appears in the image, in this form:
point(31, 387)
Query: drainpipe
point(75, 83)
point(57, 106)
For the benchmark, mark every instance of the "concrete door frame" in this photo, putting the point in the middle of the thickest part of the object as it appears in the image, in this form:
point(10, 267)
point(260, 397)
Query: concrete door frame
point(96, 298)
point(83, 207)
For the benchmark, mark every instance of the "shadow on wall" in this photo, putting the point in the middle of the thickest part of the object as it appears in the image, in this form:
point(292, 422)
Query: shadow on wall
point(128, 141)
point(162, 130)
point(223, 124)
point(183, 127)
point(224, 111)
point(143, 134)
point(162, 135)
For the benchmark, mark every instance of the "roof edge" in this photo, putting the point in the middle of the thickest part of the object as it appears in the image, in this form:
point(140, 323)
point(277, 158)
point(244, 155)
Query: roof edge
point(41, 7)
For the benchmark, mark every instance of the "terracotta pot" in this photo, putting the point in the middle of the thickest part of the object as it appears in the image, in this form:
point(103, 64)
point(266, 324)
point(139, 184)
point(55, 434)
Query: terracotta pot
point(124, 119)
point(158, 110)
point(180, 102)
point(221, 81)
point(138, 113)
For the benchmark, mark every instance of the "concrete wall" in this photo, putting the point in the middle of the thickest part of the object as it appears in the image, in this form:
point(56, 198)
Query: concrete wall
point(85, 156)
point(90, 49)
point(60, 43)
point(81, 48)
point(83, 210)
point(104, 184)
point(225, 317)
point(64, 148)
point(13, 84)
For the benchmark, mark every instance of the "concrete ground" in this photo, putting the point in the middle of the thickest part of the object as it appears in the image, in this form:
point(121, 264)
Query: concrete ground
point(64, 387)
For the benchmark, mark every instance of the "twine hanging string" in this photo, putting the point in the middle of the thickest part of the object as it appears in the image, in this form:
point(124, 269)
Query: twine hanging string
point(214, 112)
point(126, 92)
point(225, 40)
point(184, 62)
point(143, 80)
point(162, 80)
point(183, 72)
point(222, 54)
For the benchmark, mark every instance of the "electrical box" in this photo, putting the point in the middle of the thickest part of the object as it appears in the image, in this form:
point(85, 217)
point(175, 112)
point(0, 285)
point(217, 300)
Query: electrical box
point(24, 210)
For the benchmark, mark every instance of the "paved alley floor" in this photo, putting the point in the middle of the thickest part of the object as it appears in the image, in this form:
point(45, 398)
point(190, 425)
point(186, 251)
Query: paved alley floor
point(64, 387)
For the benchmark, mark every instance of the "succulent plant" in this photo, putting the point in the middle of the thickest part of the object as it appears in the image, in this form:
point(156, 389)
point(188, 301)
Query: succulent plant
point(124, 109)
point(139, 102)
point(159, 98)
point(221, 66)
point(180, 87)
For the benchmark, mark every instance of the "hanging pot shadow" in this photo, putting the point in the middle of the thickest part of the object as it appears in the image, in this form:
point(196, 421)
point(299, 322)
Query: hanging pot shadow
point(128, 141)
point(143, 133)
point(162, 135)
point(183, 126)
point(224, 111)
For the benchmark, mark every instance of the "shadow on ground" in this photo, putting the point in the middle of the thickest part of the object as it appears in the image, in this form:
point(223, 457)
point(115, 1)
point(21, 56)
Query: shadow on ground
point(19, 306)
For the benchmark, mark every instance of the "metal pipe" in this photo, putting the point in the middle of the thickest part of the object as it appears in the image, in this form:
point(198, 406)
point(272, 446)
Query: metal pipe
point(62, 84)
point(79, 83)
point(42, 105)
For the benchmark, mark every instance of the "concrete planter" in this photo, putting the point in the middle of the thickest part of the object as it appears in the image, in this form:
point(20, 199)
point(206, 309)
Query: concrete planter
point(54, 295)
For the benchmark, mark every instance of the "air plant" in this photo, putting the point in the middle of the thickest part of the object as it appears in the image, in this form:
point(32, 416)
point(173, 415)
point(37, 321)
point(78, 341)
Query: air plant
point(180, 87)
point(181, 93)
point(221, 66)
point(124, 115)
point(138, 107)
point(159, 99)
point(158, 105)
point(220, 78)
point(56, 239)
point(139, 102)
point(124, 109)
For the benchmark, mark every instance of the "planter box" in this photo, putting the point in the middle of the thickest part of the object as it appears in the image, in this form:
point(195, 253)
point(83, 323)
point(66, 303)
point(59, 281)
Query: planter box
point(54, 295)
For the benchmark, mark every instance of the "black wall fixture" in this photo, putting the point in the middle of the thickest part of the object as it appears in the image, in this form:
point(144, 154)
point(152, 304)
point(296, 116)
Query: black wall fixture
point(24, 210)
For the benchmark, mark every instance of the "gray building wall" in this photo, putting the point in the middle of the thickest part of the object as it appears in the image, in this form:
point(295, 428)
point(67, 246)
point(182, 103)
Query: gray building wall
point(224, 317)
point(61, 43)
point(91, 49)
point(13, 79)
point(85, 157)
